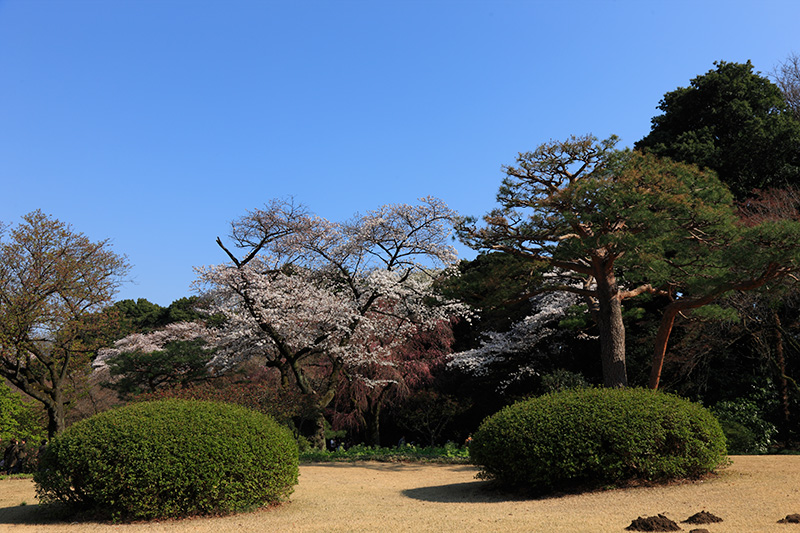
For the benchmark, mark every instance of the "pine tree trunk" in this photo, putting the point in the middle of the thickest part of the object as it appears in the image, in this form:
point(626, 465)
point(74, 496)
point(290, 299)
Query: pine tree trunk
point(679, 306)
point(612, 332)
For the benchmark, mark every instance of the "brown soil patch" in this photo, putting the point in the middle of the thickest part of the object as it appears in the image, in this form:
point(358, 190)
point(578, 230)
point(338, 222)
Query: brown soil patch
point(703, 517)
point(752, 495)
point(653, 523)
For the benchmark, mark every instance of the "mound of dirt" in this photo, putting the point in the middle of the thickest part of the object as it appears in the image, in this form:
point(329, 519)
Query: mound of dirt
point(790, 519)
point(653, 523)
point(702, 517)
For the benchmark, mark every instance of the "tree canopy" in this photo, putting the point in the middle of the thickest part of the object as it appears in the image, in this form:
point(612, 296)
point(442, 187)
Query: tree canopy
point(734, 121)
point(609, 225)
point(52, 280)
point(18, 418)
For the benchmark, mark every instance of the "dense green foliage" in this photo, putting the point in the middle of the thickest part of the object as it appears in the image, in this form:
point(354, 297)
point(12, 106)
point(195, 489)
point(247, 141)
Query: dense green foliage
point(178, 364)
point(144, 316)
point(18, 419)
point(168, 459)
point(744, 426)
point(597, 437)
point(595, 215)
point(493, 284)
point(734, 121)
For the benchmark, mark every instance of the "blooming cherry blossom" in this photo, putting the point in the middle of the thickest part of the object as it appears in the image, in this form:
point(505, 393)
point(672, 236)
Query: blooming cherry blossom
point(317, 300)
point(522, 338)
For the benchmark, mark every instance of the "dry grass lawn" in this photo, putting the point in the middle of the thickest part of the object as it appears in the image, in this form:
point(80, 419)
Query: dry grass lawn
point(750, 496)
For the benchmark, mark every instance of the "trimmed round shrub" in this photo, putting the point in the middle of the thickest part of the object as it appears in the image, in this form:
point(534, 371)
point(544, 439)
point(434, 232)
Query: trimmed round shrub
point(597, 437)
point(170, 458)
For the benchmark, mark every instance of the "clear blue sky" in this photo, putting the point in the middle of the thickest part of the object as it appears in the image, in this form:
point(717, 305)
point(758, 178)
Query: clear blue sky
point(154, 123)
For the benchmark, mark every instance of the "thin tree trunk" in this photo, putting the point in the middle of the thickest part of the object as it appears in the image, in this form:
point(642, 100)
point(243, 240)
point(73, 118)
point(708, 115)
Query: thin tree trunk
point(51, 396)
point(678, 306)
point(781, 360)
point(323, 400)
point(660, 349)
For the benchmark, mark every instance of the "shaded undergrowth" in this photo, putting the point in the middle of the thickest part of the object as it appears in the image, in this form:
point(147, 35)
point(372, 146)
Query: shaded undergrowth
point(447, 454)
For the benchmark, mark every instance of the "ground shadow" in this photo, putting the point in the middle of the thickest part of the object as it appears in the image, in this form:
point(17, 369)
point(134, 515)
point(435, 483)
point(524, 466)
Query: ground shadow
point(35, 514)
point(467, 492)
point(489, 491)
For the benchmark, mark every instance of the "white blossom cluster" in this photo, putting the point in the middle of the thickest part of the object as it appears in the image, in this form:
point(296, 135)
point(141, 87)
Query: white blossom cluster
point(308, 288)
point(155, 341)
point(356, 319)
point(521, 338)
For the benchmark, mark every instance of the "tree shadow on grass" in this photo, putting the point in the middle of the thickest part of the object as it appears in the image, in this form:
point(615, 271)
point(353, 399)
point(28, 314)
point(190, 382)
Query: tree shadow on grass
point(468, 492)
point(490, 492)
point(34, 514)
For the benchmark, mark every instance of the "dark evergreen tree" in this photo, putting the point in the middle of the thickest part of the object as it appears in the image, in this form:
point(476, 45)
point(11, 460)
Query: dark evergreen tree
point(734, 121)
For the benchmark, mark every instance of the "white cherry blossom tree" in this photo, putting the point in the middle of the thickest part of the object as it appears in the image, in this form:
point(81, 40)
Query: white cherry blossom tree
point(319, 300)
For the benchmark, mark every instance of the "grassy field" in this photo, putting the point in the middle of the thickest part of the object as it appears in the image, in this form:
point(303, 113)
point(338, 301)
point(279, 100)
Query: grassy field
point(750, 495)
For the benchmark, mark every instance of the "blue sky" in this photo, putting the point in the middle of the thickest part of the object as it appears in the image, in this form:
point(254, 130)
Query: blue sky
point(155, 123)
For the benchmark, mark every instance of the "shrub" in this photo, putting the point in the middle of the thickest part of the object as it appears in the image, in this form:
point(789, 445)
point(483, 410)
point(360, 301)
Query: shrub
point(740, 439)
point(170, 458)
point(561, 379)
point(19, 419)
point(744, 426)
point(449, 454)
point(597, 437)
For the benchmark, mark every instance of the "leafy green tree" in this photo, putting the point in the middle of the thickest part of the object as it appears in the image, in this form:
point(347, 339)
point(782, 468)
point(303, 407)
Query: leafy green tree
point(756, 252)
point(53, 282)
point(753, 260)
point(714, 360)
point(177, 365)
point(494, 285)
point(139, 315)
point(173, 362)
point(591, 213)
point(734, 121)
point(18, 419)
point(749, 342)
point(143, 316)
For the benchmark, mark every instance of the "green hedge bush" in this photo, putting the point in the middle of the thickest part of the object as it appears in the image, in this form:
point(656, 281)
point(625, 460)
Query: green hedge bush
point(170, 458)
point(597, 437)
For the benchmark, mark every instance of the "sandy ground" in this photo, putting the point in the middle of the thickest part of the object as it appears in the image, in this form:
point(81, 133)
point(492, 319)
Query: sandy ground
point(750, 496)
